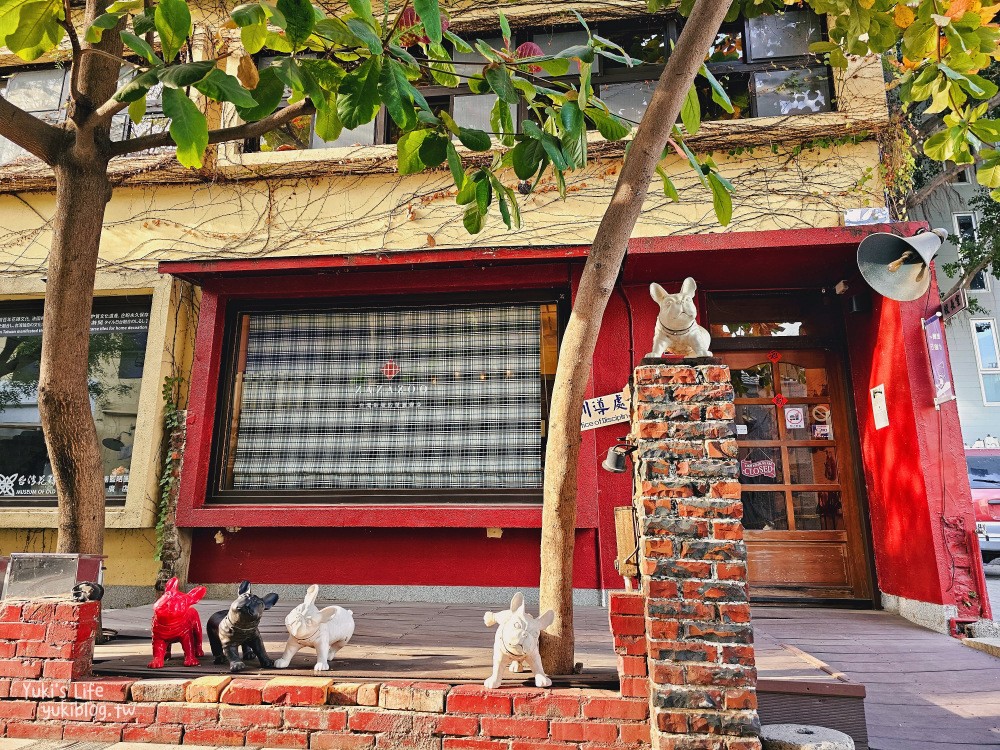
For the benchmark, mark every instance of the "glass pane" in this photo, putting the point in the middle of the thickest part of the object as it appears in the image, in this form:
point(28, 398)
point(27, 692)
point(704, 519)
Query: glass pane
point(737, 87)
point(818, 511)
point(628, 100)
point(645, 42)
point(755, 330)
point(36, 90)
point(984, 471)
point(764, 511)
point(786, 34)
point(292, 136)
point(758, 420)
point(474, 111)
point(760, 465)
point(987, 344)
point(792, 92)
point(978, 283)
point(991, 384)
point(802, 382)
point(728, 45)
point(474, 61)
point(557, 41)
point(115, 366)
point(966, 226)
point(819, 417)
point(754, 382)
point(812, 465)
point(10, 151)
point(381, 398)
point(363, 135)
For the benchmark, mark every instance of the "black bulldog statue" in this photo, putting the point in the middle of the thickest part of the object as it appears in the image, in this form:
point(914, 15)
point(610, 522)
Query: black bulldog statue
point(234, 629)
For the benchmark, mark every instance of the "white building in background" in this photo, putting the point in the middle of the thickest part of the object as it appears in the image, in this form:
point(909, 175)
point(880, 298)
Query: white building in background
point(973, 337)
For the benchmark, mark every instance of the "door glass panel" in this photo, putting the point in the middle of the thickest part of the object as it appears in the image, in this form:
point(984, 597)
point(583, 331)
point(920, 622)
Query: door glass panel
point(803, 382)
point(764, 511)
point(759, 420)
point(818, 511)
point(819, 417)
point(760, 465)
point(812, 465)
point(753, 382)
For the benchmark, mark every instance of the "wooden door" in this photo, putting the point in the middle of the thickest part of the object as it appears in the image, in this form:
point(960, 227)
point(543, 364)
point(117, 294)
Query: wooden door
point(805, 537)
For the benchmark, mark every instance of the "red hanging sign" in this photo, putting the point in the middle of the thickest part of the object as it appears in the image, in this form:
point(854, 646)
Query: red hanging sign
point(763, 468)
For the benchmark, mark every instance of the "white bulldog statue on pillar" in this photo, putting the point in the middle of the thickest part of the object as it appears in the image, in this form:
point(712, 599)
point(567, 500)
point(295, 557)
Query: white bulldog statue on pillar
point(516, 642)
point(677, 331)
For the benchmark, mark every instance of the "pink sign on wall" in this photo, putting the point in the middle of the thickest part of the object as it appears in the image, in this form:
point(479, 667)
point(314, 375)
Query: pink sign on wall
point(944, 390)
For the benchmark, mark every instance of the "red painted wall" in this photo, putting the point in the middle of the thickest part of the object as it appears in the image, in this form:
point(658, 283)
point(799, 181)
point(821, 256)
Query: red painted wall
point(918, 492)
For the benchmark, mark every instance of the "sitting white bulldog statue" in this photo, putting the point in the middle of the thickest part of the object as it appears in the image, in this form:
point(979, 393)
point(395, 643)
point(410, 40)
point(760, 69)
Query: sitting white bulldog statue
point(327, 630)
point(517, 641)
point(677, 330)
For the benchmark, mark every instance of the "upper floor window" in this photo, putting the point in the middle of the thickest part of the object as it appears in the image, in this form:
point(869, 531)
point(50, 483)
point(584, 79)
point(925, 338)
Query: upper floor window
point(984, 333)
point(966, 229)
point(763, 63)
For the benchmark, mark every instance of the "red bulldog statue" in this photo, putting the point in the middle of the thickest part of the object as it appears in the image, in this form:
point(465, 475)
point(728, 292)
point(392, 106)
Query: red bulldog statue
point(175, 620)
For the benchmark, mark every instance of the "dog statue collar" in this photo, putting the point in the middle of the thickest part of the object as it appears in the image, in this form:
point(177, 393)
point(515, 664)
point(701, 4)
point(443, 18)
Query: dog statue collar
point(671, 331)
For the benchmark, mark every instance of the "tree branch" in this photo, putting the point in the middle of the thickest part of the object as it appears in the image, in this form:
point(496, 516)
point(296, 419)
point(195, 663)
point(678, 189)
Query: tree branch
point(221, 135)
point(946, 175)
point(74, 41)
point(966, 278)
point(27, 131)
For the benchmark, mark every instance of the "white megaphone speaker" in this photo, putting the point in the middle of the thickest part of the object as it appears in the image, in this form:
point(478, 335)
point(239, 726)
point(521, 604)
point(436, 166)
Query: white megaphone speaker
point(898, 267)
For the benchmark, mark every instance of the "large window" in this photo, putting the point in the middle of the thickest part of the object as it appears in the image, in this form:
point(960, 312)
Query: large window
point(115, 363)
point(967, 230)
point(988, 353)
point(425, 402)
point(764, 64)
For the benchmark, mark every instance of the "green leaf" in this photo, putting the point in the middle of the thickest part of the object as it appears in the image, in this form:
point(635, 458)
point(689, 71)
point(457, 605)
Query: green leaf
point(937, 147)
point(143, 23)
point(554, 67)
point(455, 165)
point(722, 201)
point(457, 42)
point(691, 111)
point(988, 172)
point(173, 25)
point(474, 140)
point(502, 121)
point(500, 82)
point(268, 94)
point(326, 72)
point(582, 52)
point(254, 37)
point(138, 87)
point(334, 31)
point(442, 72)
point(186, 74)
point(363, 10)
point(188, 127)
point(299, 20)
point(248, 15)
point(222, 87)
point(37, 30)
point(358, 100)
point(526, 157)
point(363, 32)
point(434, 149)
point(102, 23)
point(574, 137)
point(138, 45)
point(484, 195)
point(408, 151)
point(300, 79)
point(988, 130)
point(393, 88)
point(553, 149)
point(137, 110)
point(719, 95)
point(473, 220)
point(612, 128)
point(466, 193)
point(328, 125)
point(430, 15)
point(504, 28)
point(669, 189)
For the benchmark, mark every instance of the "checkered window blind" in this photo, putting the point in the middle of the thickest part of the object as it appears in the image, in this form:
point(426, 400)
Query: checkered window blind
point(424, 398)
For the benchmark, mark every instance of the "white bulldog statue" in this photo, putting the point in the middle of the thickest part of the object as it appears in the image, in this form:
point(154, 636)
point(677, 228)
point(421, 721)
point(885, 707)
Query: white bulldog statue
point(676, 329)
point(327, 630)
point(517, 641)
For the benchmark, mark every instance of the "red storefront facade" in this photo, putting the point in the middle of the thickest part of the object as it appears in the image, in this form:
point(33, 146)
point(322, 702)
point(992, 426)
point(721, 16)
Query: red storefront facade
point(900, 532)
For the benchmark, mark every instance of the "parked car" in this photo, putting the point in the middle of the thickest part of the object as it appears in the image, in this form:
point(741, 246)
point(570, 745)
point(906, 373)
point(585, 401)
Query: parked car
point(984, 478)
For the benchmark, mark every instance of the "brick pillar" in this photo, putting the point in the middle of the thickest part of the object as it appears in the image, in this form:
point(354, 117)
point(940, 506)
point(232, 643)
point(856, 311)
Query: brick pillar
point(44, 644)
point(693, 559)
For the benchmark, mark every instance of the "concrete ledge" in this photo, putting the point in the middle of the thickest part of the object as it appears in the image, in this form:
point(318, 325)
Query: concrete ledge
point(926, 614)
point(989, 646)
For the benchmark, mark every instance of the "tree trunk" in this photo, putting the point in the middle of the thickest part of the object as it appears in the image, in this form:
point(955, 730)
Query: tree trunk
point(576, 350)
point(82, 192)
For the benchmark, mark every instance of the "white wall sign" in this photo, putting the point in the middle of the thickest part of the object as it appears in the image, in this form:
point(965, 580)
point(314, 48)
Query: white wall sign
point(603, 410)
point(879, 410)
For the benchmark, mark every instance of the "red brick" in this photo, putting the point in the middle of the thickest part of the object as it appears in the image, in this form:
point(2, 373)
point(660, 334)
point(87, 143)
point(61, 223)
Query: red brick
point(737, 700)
point(541, 745)
point(334, 741)
point(738, 655)
point(10, 612)
point(93, 732)
point(101, 688)
point(187, 713)
point(616, 708)
point(733, 612)
point(35, 730)
point(277, 738)
point(17, 710)
point(672, 722)
point(494, 726)
point(634, 734)
point(471, 699)
point(297, 691)
point(628, 625)
point(631, 666)
point(163, 734)
point(626, 603)
point(213, 736)
point(664, 630)
point(26, 669)
point(130, 713)
point(729, 530)
point(731, 571)
point(379, 721)
point(584, 731)
point(662, 589)
point(5, 688)
point(35, 611)
point(410, 742)
point(472, 743)
point(244, 692)
point(249, 716)
point(635, 687)
point(314, 718)
point(658, 547)
point(550, 704)
point(629, 646)
point(456, 726)
point(61, 632)
point(58, 669)
point(41, 649)
point(9, 648)
point(666, 673)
